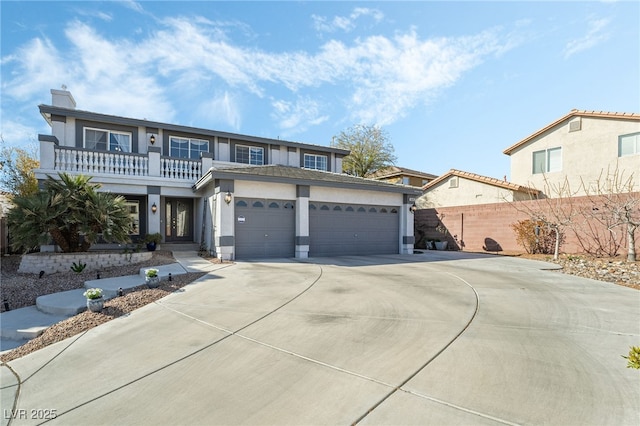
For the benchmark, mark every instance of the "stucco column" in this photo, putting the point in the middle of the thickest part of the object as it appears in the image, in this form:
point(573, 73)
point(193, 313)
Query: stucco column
point(406, 224)
point(154, 161)
point(47, 154)
point(154, 222)
point(302, 221)
point(206, 158)
point(224, 220)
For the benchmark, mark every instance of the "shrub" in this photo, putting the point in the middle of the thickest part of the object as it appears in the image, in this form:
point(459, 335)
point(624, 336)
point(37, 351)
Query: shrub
point(633, 360)
point(72, 212)
point(542, 243)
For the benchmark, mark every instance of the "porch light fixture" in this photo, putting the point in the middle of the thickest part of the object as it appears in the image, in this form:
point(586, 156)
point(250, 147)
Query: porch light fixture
point(152, 139)
point(413, 208)
point(227, 197)
point(154, 208)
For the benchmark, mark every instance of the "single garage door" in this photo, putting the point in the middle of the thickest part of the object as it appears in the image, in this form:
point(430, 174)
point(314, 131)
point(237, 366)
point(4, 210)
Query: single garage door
point(344, 229)
point(264, 228)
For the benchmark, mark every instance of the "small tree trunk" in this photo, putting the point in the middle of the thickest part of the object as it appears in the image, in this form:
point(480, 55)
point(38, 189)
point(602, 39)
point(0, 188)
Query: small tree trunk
point(631, 240)
point(60, 240)
point(557, 248)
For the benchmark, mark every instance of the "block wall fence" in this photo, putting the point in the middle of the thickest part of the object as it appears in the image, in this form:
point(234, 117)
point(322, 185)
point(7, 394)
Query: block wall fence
point(487, 227)
point(62, 262)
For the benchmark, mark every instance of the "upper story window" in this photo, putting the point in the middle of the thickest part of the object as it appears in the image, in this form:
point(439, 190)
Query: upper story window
point(629, 144)
point(548, 160)
point(107, 140)
point(406, 180)
point(187, 147)
point(250, 155)
point(317, 162)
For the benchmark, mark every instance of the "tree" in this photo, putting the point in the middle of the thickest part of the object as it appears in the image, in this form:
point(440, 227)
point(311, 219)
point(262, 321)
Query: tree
point(370, 149)
point(16, 171)
point(72, 212)
point(556, 214)
point(616, 203)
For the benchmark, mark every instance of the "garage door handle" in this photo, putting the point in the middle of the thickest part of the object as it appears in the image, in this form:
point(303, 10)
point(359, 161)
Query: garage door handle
point(266, 235)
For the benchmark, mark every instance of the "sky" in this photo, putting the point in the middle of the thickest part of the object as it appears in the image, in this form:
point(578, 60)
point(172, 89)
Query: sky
point(452, 83)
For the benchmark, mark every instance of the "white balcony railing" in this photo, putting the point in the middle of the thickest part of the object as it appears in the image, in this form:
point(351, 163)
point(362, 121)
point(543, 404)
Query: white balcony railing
point(67, 159)
point(100, 162)
point(174, 168)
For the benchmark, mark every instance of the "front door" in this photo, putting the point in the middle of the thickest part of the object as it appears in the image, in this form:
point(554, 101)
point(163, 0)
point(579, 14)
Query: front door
point(178, 219)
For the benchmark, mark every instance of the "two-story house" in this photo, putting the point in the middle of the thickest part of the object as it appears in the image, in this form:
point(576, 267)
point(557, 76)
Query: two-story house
point(581, 147)
point(238, 196)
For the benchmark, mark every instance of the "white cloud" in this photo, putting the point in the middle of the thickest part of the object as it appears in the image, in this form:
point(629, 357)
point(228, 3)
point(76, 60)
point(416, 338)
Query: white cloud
point(383, 77)
point(133, 5)
point(39, 65)
point(345, 23)
point(595, 35)
point(107, 76)
point(20, 135)
point(222, 108)
point(298, 116)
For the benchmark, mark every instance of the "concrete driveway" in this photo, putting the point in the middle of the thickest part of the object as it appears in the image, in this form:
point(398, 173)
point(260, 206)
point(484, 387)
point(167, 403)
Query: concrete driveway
point(437, 338)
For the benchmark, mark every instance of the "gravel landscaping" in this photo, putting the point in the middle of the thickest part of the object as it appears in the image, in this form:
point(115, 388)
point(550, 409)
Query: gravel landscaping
point(20, 290)
point(610, 270)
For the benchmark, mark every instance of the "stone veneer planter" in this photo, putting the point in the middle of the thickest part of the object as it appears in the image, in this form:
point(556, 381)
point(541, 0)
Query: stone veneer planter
point(62, 262)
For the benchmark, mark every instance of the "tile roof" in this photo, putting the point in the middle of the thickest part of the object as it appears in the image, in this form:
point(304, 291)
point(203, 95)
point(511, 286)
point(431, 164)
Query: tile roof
point(280, 173)
point(395, 171)
point(575, 113)
point(482, 179)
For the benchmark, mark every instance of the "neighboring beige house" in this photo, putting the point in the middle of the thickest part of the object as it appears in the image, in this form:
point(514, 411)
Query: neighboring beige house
point(579, 147)
point(458, 188)
point(401, 175)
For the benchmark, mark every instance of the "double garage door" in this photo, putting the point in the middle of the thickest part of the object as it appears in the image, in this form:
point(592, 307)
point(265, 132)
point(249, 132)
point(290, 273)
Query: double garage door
point(266, 229)
point(344, 229)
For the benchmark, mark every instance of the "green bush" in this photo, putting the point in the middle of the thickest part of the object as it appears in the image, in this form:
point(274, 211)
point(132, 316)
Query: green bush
point(72, 212)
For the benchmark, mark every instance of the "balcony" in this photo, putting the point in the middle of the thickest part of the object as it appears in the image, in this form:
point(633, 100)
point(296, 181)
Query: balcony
point(54, 158)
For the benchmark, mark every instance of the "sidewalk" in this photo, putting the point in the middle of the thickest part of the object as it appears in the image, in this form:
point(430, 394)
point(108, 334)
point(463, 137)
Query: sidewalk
point(21, 325)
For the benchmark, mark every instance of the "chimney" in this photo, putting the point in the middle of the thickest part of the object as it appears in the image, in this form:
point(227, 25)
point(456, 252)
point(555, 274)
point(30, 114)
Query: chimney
point(62, 98)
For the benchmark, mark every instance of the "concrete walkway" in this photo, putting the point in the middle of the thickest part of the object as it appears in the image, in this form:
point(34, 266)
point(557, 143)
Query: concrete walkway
point(20, 325)
point(433, 339)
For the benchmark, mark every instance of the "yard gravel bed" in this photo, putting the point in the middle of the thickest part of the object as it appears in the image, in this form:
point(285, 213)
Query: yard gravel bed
point(21, 290)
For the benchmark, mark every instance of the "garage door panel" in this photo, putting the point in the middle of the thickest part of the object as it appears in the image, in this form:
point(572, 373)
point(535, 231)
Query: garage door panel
point(341, 229)
point(264, 228)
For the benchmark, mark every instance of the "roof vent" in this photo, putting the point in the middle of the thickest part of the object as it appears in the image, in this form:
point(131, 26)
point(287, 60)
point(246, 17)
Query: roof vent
point(453, 182)
point(575, 125)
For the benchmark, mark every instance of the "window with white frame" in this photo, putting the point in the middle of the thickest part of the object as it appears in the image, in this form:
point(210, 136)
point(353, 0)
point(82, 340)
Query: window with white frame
point(187, 147)
point(629, 144)
point(316, 162)
point(249, 155)
point(547, 160)
point(107, 140)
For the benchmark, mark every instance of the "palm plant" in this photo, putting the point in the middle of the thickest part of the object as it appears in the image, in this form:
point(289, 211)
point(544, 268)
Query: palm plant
point(72, 212)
